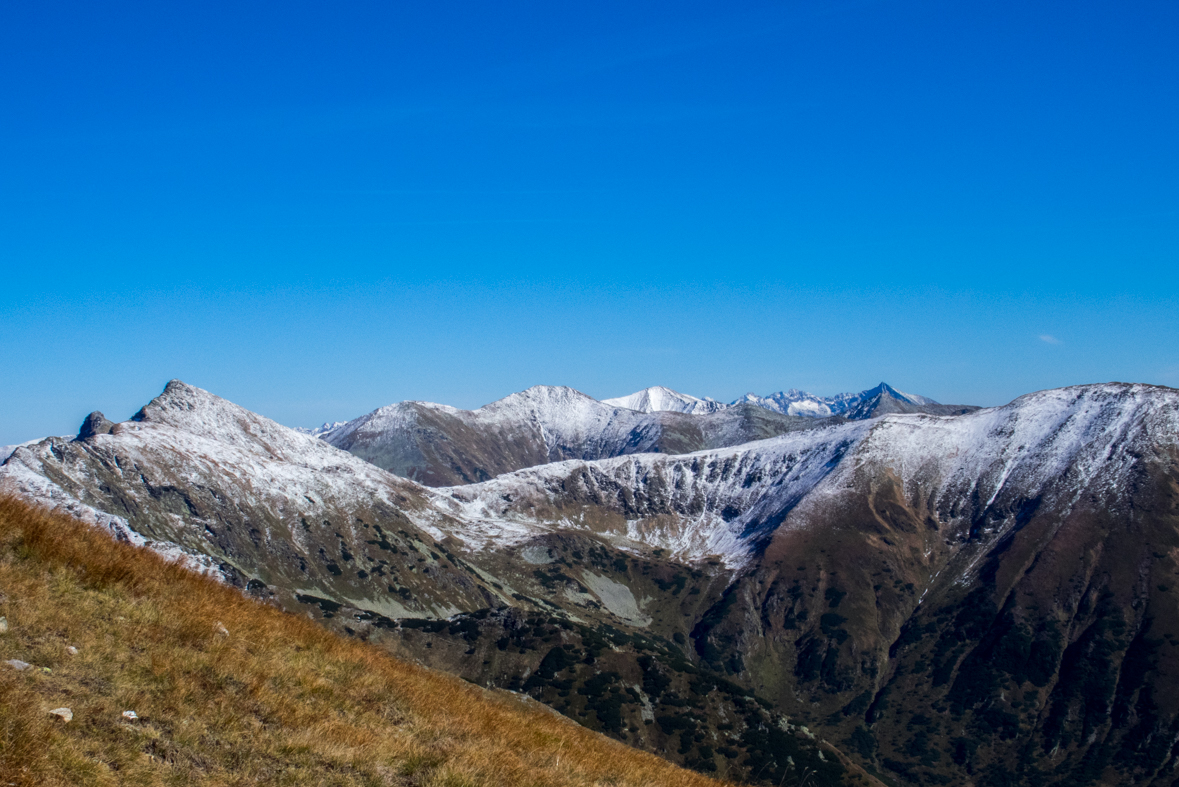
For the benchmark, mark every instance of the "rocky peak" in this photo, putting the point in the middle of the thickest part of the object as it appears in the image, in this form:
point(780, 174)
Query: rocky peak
point(95, 424)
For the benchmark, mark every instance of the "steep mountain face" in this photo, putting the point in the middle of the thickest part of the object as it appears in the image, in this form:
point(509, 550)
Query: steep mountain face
point(440, 446)
point(987, 598)
point(269, 506)
point(984, 599)
point(660, 399)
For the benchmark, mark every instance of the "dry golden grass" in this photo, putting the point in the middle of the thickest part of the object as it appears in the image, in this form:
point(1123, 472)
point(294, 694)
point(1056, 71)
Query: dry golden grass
point(278, 701)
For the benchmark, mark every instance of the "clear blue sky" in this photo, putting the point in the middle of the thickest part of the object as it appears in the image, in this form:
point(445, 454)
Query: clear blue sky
point(317, 209)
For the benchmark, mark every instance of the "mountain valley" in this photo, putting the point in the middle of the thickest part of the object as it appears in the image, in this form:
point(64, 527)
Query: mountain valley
point(945, 594)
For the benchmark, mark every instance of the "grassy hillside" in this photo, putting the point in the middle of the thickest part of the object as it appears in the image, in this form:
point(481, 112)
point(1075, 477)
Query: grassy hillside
point(230, 691)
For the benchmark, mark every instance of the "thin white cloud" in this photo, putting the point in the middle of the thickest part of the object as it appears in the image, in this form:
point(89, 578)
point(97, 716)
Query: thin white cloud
point(1049, 339)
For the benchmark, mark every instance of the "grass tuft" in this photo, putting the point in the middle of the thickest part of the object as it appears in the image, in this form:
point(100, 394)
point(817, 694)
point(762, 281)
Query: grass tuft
point(279, 701)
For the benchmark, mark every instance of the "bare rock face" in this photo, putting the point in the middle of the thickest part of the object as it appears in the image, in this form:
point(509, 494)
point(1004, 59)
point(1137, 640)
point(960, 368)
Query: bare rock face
point(95, 424)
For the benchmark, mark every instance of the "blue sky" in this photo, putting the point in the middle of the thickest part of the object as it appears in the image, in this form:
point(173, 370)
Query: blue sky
point(317, 209)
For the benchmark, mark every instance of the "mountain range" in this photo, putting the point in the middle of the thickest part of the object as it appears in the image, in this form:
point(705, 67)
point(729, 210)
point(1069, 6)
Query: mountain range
point(439, 445)
point(949, 595)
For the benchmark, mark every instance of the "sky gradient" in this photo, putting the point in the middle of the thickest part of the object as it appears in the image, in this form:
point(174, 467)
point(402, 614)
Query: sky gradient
point(317, 209)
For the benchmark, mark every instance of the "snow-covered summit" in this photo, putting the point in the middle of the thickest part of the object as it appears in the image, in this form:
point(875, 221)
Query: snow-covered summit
point(793, 402)
point(320, 431)
point(856, 406)
point(660, 399)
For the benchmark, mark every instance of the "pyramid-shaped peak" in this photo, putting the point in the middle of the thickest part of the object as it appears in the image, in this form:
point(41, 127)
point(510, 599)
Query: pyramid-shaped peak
point(659, 398)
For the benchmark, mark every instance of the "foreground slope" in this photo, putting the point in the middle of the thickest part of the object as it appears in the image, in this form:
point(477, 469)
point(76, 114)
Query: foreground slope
point(230, 691)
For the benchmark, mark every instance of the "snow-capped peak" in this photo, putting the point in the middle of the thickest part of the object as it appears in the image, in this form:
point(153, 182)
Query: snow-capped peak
point(320, 431)
point(660, 399)
point(793, 402)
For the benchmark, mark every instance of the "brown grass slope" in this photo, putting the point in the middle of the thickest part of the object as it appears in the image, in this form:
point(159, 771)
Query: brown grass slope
point(277, 700)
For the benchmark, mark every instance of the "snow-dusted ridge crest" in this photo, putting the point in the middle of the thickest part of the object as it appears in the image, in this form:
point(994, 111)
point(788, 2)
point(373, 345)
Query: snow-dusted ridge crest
point(716, 503)
point(1052, 444)
point(188, 438)
point(720, 502)
point(561, 403)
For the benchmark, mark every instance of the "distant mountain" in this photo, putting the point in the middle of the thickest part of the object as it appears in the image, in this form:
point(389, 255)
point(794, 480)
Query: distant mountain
point(794, 402)
point(881, 400)
point(320, 431)
point(660, 399)
point(439, 445)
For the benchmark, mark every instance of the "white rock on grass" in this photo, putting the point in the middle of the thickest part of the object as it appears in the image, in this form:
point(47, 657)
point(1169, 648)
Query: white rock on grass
point(130, 715)
point(18, 665)
point(220, 629)
point(65, 714)
point(70, 649)
point(3, 625)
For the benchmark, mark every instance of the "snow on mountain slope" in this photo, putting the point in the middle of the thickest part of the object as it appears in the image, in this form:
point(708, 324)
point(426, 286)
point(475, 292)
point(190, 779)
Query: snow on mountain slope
point(726, 501)
point(187, 439)
point(188, 444)
point(792, 402)
point(201, 476)
point(1057, 443)
point(319, 431)
point(7, 450)
point(876, 401)
point(557, 417)
point(660, 399)
point(706, 503)
point(568, 414)
point(442, 446)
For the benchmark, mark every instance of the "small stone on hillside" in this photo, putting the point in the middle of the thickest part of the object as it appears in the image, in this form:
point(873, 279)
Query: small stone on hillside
point(130, 715)
point(18, 665)
point(221, 630)
point(70, 649)
point(65, 714)
point(3, 625)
